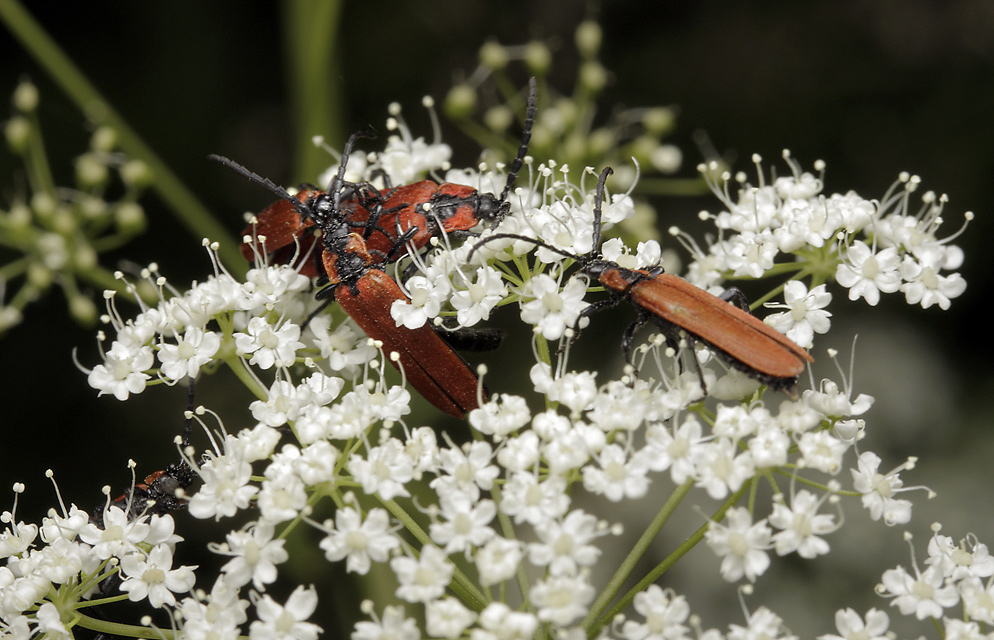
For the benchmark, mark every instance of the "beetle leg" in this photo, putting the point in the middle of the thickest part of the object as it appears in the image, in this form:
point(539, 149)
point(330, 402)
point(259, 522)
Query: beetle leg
point(735, 295)
point(592, 309)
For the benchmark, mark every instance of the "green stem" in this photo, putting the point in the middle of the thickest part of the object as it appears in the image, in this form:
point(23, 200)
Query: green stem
point(123, 630)
point(461, 584)
point(663, 566)
point(310, 29)
point(191, 213)
point(628, 565)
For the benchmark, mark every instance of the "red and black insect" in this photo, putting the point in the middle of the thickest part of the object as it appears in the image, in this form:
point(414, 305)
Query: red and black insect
point(357, 282)
point(160, 492)
point(684, 312)
point(391, 219)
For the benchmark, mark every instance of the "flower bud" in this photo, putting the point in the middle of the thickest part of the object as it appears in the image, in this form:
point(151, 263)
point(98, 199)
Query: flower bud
point(659, 120)
point(103, 139)
point(43, 205)
point(588, 38)
point(90, 171)
point(92, 208)
point(593, 76)
point(84, 257)
point(38, 276)
point(136, 174)
point(130, 218)
point(460, 102)
point(18, 133)
point(498, 118)
point(9, 317)
point(82, 309)
point(18, 217)
point(538, 58)
point(493, 55)
point(26, 97)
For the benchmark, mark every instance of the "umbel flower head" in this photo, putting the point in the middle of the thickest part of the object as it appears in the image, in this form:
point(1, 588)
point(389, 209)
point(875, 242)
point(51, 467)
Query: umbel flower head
point(498, 534)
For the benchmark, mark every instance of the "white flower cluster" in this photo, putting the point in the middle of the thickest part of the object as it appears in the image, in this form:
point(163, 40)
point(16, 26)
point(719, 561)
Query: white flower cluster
point(77, 556)
point(507, 511)
point(874, 246)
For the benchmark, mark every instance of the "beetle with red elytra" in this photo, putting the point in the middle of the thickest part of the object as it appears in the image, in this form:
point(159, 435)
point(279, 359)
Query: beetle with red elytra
point(684, 312)
point(355, 279)
point(390, 220)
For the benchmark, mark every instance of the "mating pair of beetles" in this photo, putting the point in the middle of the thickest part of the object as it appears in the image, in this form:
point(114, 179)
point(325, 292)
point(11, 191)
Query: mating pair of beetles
point(362, 229)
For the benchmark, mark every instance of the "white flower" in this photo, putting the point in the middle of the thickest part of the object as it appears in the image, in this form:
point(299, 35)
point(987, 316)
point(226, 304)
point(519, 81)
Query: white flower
point(362, 542)
point(677, 451)
point(282, 497)
point(384, 471)
point(425, 302)
point(226, 488)
point(741, 544)
point(192, 351)
point(878, 490)
point(466, 522)
point(345, 349)
point(565, 546)
point(978, 599)
point(722, 468)
point(216, 617)
point(750, 254)
point(425, 578)
point(762, 623)
point(467, 469)
point(800, 525)
point(923, 285)
point(392, 626)
point(286, 622)
point(500, 417)
point(17, 539)
point(49, 623)
point(866, 273)
point(806, 313)
point(852, 627)
point(954, 629)
point(576, 389)
point(822, 451)
point(123, 371)
point(269, 347)
point(447, 618)
point(255, 556)
point(618, 476)
point(527, 499)
point(499, 622)
point(478, 299)
point(664, 613)
point(925, 594)
point(498, 560)
point(562, 599)
point(119, 536)
point(553, 311)
point(967, 559)
point(152, 577)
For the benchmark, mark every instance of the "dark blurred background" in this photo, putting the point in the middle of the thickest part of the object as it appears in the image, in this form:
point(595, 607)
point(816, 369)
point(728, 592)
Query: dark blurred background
point(872, 88)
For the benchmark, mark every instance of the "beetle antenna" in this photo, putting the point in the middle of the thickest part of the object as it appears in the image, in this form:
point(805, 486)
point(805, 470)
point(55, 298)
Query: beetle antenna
point(264, 182)
point(519, 160)
point(598, 204)
point(515, 236)
point(335, 188)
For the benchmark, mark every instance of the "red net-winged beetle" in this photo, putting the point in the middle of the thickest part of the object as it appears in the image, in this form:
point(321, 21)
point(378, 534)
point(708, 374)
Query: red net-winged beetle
point(357, 282)
point(391, 219)
point(686, 312)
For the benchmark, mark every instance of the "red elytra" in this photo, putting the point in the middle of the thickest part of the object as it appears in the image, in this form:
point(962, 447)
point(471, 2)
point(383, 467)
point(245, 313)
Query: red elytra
point(366, 293)
point(407, 215)
point(683, 311)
